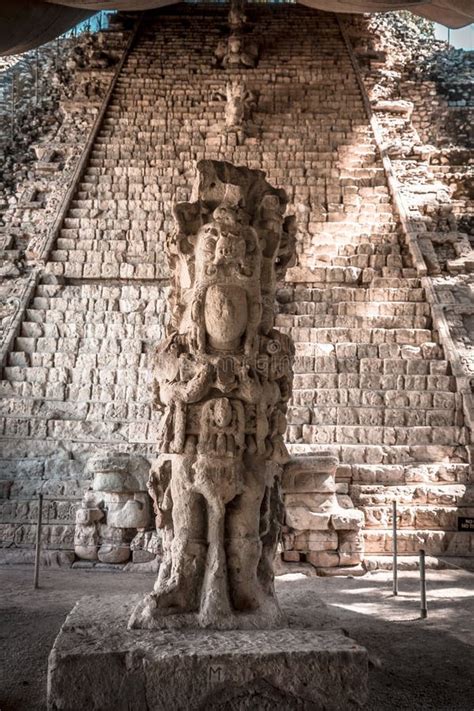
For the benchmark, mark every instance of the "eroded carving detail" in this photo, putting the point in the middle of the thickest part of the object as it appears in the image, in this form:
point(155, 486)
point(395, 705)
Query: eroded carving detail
point(113, 510)
point(223, 379)
point(237, 18)
point(240, 103)
point(239, 51)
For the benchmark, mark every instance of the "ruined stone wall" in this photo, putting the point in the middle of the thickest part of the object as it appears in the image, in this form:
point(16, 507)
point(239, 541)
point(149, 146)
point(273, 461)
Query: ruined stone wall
point(372, 383)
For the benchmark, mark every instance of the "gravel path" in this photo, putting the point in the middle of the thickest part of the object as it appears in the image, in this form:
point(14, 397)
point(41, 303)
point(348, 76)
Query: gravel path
point(416, 665)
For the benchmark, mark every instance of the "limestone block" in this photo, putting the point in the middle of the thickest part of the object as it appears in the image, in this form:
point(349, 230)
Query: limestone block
point(142, 556)
point(86, 541)
point(351, 548)
point(133, 513)
point(88, 516)
point(315, 540)
point(302, 518)
point(446, 495)
point(283, 669)
point(310, 474)
point(316, 502)
point(118, 472)
point(347, 520)
point(113, 553)
point(323, 559)
point(439, 517)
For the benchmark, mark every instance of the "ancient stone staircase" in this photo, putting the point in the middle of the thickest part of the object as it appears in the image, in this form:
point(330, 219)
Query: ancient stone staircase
point(371, 382)
point(372, 387)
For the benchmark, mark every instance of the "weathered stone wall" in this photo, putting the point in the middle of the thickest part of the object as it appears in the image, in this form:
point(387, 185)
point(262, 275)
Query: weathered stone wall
point(372, 383)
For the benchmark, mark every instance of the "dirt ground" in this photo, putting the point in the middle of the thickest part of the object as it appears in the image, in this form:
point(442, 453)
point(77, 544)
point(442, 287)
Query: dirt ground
point(415, 665)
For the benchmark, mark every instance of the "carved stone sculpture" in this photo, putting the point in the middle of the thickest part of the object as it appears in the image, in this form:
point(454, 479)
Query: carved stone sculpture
point(240, 102)
point(113, 510)
point(237, 18)
point(322, 525)
point(239, 51)
point(223, 378)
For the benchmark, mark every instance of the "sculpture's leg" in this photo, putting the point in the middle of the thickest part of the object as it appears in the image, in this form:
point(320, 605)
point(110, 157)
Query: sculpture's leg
point(215, 602)
point(270, 535)
point(243, 540)
point(180, 590)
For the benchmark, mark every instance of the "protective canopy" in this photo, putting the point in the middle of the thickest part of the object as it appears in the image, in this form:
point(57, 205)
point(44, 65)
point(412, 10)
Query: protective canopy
point(26, 24)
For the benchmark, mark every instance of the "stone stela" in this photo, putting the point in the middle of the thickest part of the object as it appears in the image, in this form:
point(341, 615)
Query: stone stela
point(223, 379)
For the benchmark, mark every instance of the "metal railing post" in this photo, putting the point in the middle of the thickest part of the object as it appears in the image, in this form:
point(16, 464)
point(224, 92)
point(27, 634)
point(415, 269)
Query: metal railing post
point(36, 78)
point(394, 548)
point(38, 540)
point(423, 607)
point(12, 108)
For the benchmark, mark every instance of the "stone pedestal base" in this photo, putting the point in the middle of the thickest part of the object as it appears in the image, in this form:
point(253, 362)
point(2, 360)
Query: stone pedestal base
point(97, 663)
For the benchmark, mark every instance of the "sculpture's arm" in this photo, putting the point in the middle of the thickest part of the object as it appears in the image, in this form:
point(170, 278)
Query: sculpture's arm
point(254, 318)
point(190, 391)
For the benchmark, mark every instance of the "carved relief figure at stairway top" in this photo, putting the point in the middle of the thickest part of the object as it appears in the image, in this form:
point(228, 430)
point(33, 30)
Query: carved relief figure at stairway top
point(237, 19)
point(240, 103)
point(222, 380)
point(239, 51)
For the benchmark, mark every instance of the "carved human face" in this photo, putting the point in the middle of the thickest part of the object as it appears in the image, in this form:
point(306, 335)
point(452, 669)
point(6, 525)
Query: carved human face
point(234, 45)
point(222, 413)
point(220, 246)
point(229, 248)
point(225, 315)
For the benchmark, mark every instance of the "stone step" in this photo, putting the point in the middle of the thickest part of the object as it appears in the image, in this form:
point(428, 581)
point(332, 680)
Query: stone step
point(47, 408)
point(365, 261)
point(43, 388)
point(374, 336)
point(78, 311)
point(307, 379)
point(432, 516)
point(395, 283)
point(344, 320)
point(83, 360)
point(411, 541)
point(110, 270)
point(389, 366)
point(354, 308)
point(429, 475)
point(410, 561)
point(361, 455)
point(413, 494)
point(87, 412)
point(18, 405)
point(302, 295)
point(82, 373)
point(78, 345)
point(373, 416)
point(79, 430)
point(426, 351)
point(376, 435)
point(126, 157)
point(122, 326)
point(392, 398)
point(94, 258)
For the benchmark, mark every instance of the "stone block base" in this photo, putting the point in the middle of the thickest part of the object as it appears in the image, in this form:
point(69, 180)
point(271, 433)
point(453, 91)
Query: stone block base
point(98, 664)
